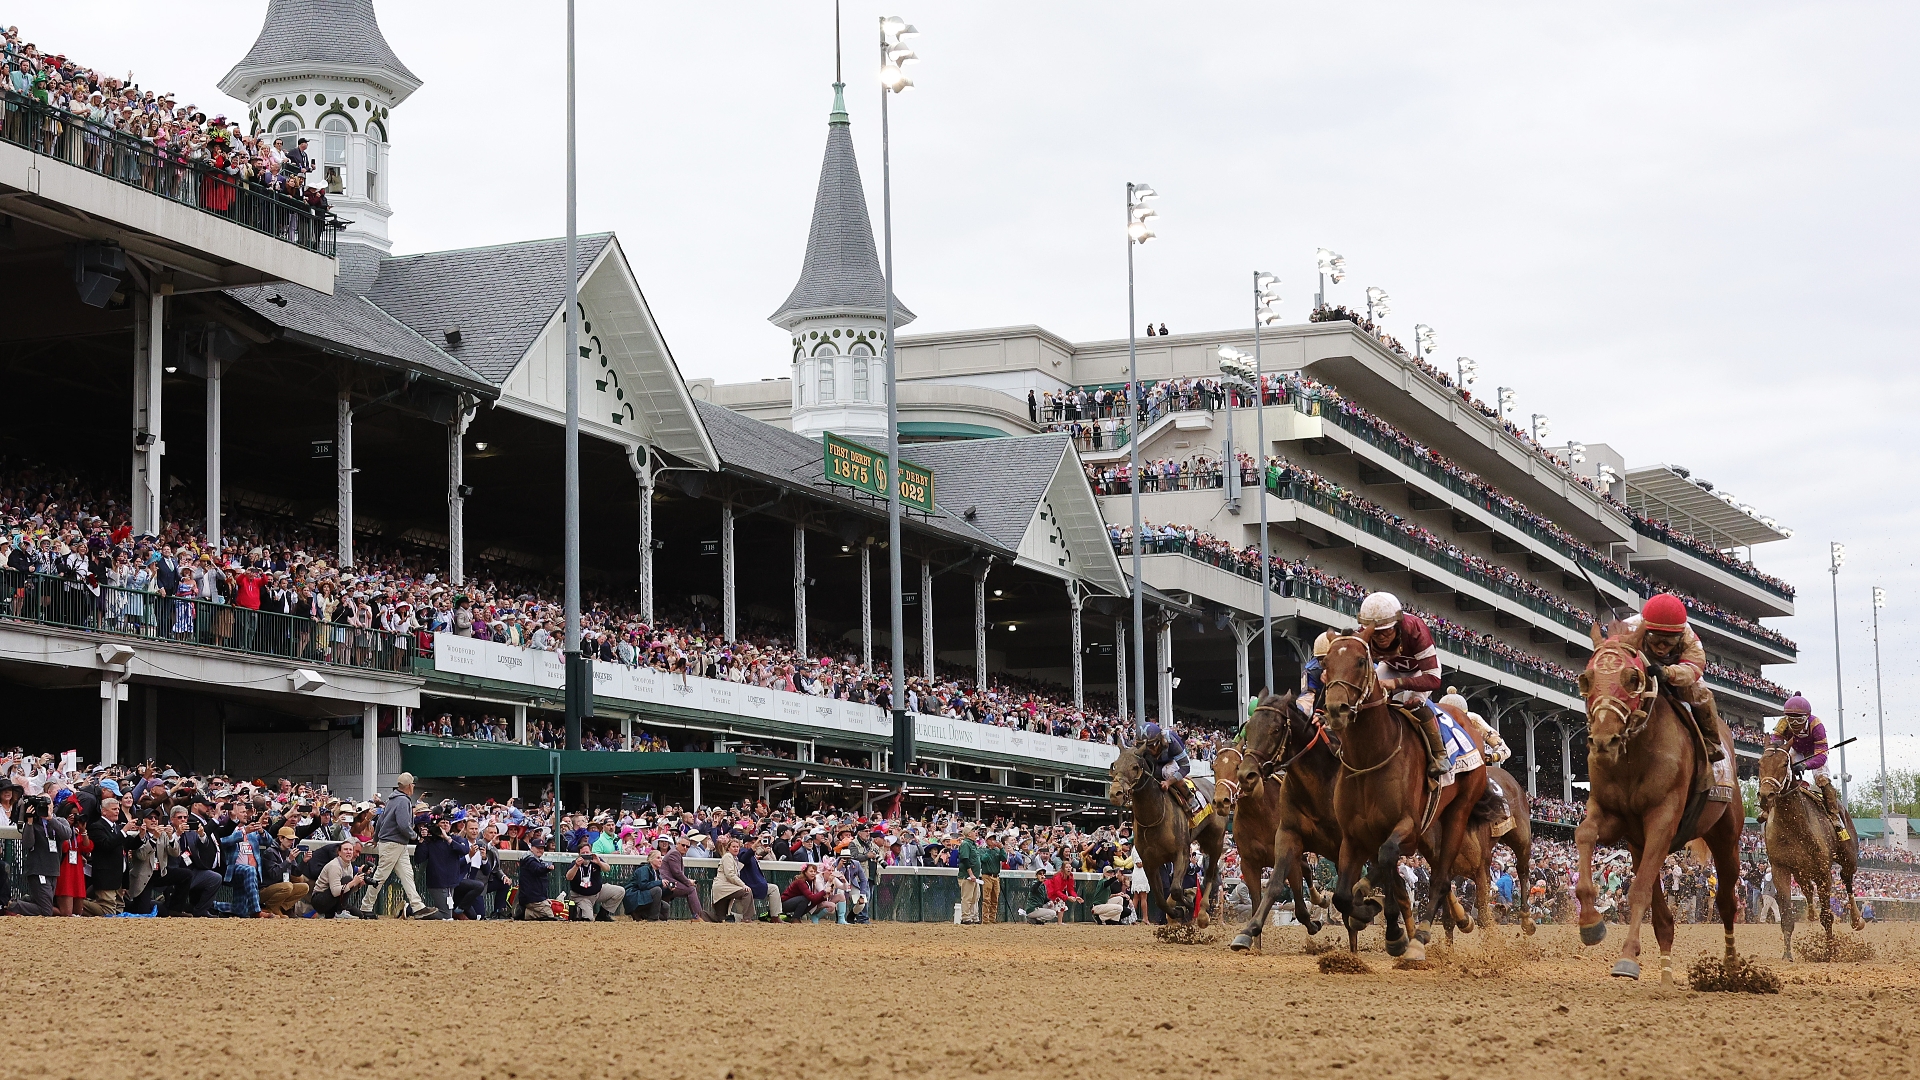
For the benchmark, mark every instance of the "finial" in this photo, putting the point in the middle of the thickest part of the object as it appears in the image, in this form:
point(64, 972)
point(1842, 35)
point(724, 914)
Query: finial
point(839, 114)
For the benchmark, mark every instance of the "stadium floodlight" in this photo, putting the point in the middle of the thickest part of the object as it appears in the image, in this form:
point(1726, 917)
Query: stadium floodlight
point(1836, 558)
point(1139, 215)
point(1879, 597)
point(1577, 453)
point(1503, 400)
point(1608, 476)
point(1467, 371)
point(1377, 303)
point(1423, 340)
point(1331, 264)
point(1235, 362)
point(895, 55)
point(1837, 554)
point(1139, 231)
point(1880, 707)
point(1266, 292)
point(1542, 427)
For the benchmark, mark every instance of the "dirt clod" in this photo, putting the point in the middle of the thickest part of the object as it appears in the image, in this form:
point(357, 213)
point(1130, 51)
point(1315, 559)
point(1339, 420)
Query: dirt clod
point(1732, 975)
point(1847, 949)
point(1343, 963)
point(1174, 934)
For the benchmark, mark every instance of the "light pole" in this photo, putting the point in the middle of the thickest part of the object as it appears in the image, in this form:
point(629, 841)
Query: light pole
point(579, 675)
point(1542, 429)
point(1465, 371)
point(1836, 558)
point(1503, 400)
point(1377, 303)
point(1139, 230)
point(1880, 707)
point(1266, 312)
point(1424, 340)
point(894, 56)
point(1333, 265)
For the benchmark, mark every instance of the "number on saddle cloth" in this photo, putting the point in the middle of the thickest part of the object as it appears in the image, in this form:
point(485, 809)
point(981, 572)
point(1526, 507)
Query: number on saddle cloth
point(1462, 755)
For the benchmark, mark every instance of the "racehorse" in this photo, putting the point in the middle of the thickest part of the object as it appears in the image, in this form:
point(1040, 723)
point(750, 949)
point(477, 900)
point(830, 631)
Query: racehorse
point(1641, 768)
point(1382, 802)
point(1476, 854)
point(1162, 836)
point(1801, 846)
point(1286, 763)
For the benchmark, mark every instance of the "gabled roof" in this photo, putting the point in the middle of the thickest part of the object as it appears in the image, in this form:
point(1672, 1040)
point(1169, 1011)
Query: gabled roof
point(347, 323)
point(757, 449)
point(498, 297)
point(342, 33)
point(841, 274)
point(1001, 480)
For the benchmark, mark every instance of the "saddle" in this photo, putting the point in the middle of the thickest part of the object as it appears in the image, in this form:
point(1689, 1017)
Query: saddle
point(1712, 780)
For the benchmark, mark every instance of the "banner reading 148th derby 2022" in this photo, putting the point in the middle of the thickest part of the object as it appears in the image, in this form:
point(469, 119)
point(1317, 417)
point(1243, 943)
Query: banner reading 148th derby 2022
point(856, 466)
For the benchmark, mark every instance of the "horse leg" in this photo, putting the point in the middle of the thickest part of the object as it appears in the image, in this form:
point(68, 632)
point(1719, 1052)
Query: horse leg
point(1593, 927)
point(1177, 887)
point(1658, 837)
point(1248, 939)
point(1663, 932)
point(1824, 883)
point(1212, 846)
point(1849, 861)
point(1724, 843)
point(1523, 879)
point(1452, 836)
point(1783, 884)
point(1384, 876)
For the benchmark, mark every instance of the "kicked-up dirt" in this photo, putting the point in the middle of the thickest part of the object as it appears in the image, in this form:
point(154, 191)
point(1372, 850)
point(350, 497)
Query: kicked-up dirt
point(135, 999)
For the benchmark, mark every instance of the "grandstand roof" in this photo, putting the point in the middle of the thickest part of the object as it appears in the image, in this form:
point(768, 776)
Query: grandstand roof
point(344, 322)
point(758, 449)
point(499, 297)
point(338, 33)
point(841, 273)
point(1692, 506)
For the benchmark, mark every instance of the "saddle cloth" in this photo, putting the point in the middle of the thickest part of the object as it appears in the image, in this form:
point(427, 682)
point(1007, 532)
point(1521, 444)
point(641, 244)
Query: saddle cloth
point(1461, 753)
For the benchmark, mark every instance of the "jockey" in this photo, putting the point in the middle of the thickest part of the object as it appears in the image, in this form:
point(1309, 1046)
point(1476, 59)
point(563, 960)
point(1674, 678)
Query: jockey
point(1408, 667)
point(1168, 754)
point(1806, 740)
point(1310, 684)
point(1674, 653)
point(1497, 748)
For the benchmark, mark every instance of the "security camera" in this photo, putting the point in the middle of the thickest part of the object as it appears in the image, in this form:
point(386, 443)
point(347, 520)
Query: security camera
point(143, 441)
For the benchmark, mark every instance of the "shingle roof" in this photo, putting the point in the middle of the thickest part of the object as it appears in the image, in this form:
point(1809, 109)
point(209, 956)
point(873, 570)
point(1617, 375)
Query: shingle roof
point(322, 31)
point(351, 323)
point(842, 270)
point(1002, 480)
point(499, 298)
point(756, 448)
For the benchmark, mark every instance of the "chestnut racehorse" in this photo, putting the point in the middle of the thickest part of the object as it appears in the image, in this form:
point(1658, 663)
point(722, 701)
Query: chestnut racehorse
point(1381, 800)
point(1641, 764)
point(1287, 763)
point(1801, 846)
point(1250, 816)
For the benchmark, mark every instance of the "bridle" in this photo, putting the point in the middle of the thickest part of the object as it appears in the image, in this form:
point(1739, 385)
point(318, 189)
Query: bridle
point(1611, 658)
point(1774, 785)
point(1368, 686)
point(1142, 783)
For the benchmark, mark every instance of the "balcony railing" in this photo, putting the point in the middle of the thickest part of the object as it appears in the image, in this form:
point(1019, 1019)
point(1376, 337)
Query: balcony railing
point(1742, 571)
point(106, 609)
point(133, 161)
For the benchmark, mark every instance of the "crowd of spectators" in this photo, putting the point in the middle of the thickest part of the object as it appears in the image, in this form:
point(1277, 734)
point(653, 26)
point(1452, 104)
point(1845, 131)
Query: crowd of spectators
point(1557, 811)
point(94, 119)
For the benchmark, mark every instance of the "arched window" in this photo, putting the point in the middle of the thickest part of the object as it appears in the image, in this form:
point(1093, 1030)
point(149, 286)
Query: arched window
point(377, 130)
point(862, 372)
point(286, 125)
point(826, 379)
point(335, 130)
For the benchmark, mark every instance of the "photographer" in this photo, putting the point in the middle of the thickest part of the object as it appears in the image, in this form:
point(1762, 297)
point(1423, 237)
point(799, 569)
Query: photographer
point(535, 871)
point(149, 850)
point(106, 889)
point(191, 881)
point(440, 868)
point(279, 892)
point(587, 881)
point(480, 873)
point(41, 838)
point(338, 879)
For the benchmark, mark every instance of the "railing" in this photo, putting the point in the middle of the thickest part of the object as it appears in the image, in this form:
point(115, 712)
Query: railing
point(136, 162)
point(1729, 684)
point(1737, 569)
point(106, 609)
point(1602, 568)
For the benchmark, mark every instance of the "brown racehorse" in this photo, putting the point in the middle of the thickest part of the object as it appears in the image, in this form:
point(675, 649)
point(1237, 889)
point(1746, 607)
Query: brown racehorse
point(1476, 854)
point(1285, 761)
point(1801, 846)
point(1381, 800)
point(1640, 769)
point(1162, 836)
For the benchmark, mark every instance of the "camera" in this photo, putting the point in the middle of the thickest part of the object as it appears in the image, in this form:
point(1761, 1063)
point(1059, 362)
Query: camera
point(36, 806)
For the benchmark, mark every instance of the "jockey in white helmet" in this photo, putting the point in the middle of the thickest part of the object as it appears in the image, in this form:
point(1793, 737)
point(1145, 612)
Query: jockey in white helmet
point(1408, 666)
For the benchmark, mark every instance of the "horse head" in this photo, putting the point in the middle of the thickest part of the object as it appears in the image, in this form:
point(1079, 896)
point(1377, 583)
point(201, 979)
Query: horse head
point(1126, 775)
point(1265, 746)
point(1618, 691)
point(1775, 765)
point(1352, 685)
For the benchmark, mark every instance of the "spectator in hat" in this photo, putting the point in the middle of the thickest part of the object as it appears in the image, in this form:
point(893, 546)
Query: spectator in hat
point(393, 834)
point(532, 903)
point(587, 881)
point(730, 897)
point(993, 858)
point(279, 892)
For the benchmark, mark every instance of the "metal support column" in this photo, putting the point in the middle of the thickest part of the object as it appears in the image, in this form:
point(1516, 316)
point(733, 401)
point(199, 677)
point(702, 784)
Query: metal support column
point(343, 476)
point(1533, 766)
point(215, 370)
point(150, 704)
point(866, 607)
point(696, 791)
point(640, 458)
point(727, 598)
point(1120, 665)
point(1164, 657)
point(1566, 761)
point(520, 724)
point(926, 619)
point(1074, 601)
point(456, 492)
point(980, 629)
point(799, 591)
point(1243, 635)
point(113, 691)
point(370, 752)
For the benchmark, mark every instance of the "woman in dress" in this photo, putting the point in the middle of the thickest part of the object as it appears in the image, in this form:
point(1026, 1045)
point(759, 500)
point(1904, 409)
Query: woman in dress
point(184, 606)
point(70, 889)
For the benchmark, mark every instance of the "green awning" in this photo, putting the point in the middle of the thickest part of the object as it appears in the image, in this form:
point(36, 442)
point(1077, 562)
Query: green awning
point(424, 755)
point(933, 429)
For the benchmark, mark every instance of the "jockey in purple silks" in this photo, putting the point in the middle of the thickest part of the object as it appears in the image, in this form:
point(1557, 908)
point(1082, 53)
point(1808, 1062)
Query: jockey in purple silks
point(1806, 739)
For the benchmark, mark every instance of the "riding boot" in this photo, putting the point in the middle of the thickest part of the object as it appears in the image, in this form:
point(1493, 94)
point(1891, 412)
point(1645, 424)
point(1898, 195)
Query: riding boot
point(1438, 762)
point(1710, 725)
point(1832, 800)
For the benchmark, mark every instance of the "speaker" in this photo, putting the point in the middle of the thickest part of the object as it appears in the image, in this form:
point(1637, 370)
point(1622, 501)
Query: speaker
point(95, 270)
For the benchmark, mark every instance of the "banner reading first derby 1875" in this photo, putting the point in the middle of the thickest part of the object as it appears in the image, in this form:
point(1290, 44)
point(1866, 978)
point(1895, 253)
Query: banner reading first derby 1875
point(856, 466)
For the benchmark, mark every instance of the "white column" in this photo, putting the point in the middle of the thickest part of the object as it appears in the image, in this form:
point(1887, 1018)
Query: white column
point(1533, 769)
point(980, 629)
point(1120, 665)
point(370, 751)
point(696, 789)
point(113, 691)
point(214, 372)
point(642, 461)
point(456, 501)
point(151, 698)
point(799, 591)
point(1079, 672)
point(149, 365)
point(726, 570)
point(626, 733)
point(343, 475)
point(1566, 761)
point(520, 724)
point(1164, 656)
point(926, 619)
point(1243, 634)
point(866, 607)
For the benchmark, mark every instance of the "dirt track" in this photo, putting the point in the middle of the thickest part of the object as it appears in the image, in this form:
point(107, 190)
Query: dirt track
point(184, 998)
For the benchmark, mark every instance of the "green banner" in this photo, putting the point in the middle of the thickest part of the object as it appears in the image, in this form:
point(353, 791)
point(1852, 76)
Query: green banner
point(853, 465)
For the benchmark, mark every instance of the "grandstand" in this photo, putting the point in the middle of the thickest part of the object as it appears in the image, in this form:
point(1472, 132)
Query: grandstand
point(358, 451)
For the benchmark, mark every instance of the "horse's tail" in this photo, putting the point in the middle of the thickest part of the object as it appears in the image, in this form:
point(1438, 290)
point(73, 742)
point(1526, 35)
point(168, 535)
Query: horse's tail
point(1488, 808)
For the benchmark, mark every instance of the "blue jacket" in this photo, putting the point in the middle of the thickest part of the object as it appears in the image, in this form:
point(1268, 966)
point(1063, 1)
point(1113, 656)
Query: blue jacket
point(750, 872)
point(230, 849)
point(646, 880)
point(441, 866)
point(534, 872)
point(1175, 752)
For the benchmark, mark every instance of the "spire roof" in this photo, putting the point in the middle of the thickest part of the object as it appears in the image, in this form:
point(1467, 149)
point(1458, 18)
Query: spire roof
point(343, 33)
point(841, 274)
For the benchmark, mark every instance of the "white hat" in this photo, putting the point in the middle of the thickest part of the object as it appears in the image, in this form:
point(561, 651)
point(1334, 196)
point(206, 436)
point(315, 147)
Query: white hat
point(1379, 609)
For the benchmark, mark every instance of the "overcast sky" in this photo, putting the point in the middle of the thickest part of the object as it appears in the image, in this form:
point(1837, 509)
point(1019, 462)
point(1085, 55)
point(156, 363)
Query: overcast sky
point(1684, 230)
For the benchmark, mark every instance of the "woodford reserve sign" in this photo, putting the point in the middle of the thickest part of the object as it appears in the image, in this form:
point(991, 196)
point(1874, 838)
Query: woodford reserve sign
point(856, 466)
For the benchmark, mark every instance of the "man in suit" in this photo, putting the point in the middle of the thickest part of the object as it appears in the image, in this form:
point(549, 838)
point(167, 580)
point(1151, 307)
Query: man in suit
point(193, 875)
point(676, 883)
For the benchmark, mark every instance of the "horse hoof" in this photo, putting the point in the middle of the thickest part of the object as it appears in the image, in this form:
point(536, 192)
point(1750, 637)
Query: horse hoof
point(1242, 943)
point(1466, 927)
point(1526, 927)
point(1397, 947)
point(1314, 927)
point(1593, 935)
point(1627, 969)
point(1416, 951)
point(1423, 937)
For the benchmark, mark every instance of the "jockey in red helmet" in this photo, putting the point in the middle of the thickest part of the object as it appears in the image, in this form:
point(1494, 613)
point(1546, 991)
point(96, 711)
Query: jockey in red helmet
point(1674, 654)
point(1408, 667)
